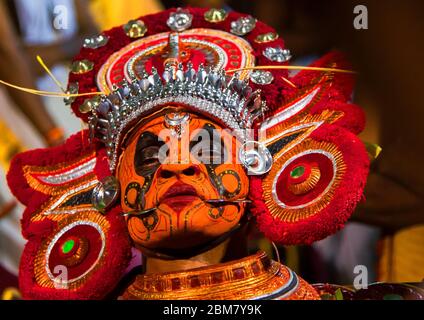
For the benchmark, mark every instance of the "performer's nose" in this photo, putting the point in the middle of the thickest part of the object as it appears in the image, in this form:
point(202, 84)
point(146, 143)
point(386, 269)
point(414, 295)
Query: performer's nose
point(167, 171)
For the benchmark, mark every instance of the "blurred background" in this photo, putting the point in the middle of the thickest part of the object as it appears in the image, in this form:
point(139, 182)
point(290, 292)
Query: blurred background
point(385, 234)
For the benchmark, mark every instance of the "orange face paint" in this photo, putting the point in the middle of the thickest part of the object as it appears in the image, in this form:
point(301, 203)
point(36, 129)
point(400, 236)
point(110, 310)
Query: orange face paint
point(173, 169)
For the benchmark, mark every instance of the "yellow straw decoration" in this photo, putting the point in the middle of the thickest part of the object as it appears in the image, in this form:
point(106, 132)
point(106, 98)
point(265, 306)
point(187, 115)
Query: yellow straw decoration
point(64, 94)
point(48, 93)
point(41, 62)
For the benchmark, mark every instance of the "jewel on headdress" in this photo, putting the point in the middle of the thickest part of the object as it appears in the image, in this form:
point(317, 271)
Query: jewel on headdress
point(105, 194)
point(277, 54)
point(135, 28)
point(73, 250)
point(89, 104)
point(82, 66)
point(261, 77)
point(96, 41)
point(243, 25)
point(266, 37)
point(73, 88)
point(179, 20)
point(215, 15)
point(303, 178)
point(176, 121)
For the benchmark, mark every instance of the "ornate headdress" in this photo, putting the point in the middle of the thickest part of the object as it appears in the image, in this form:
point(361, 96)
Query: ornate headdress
point(227, 99)
point(226, 66)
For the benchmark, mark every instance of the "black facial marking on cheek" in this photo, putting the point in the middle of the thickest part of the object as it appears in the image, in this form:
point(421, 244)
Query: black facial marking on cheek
point(217, 182)
point(216, 213)
point(224, 191)
point(137, 204)
point(214, 178)
point(141, 193)
point(151, 221)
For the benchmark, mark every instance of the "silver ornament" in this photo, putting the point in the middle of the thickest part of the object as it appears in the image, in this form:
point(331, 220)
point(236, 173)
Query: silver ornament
point(96, 41)
point(277, 54)
point(215, 15)
point(179, 20)
point(73, 88)
point(176, 121)
point(255, 157)
point(261, 77)
point(105, 194)
point(243, 25)
point(135, 29)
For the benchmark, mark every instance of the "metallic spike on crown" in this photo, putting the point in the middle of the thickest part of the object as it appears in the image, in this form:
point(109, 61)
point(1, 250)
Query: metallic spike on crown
point(226, 98)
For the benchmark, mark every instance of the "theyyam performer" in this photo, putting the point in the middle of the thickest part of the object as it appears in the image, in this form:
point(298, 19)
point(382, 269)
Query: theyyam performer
point(197, 133)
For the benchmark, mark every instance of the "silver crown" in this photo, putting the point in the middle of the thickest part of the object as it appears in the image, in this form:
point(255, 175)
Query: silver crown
point(227, 99)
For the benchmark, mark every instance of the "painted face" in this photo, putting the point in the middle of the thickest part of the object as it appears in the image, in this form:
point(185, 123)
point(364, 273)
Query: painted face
point(177, 169)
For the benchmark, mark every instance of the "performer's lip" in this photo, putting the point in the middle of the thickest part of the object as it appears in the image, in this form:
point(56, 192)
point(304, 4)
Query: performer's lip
point(179, 195)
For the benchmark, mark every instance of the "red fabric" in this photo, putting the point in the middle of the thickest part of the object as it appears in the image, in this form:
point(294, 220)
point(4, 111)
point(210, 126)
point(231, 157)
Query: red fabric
point(74, 147)
point(353, 116)
point(334, 93)
point(341, 83)
point(337, 86)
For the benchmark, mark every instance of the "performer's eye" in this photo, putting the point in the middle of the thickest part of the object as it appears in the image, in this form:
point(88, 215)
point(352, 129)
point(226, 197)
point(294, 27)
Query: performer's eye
point(146, 160)
point(209, 151)
point(209, 148)
point(149, 156)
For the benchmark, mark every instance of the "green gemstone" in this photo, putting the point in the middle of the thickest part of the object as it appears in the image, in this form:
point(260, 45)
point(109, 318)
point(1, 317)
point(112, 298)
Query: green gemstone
point(215, 15)
point(68, 246)
point(297, 172)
